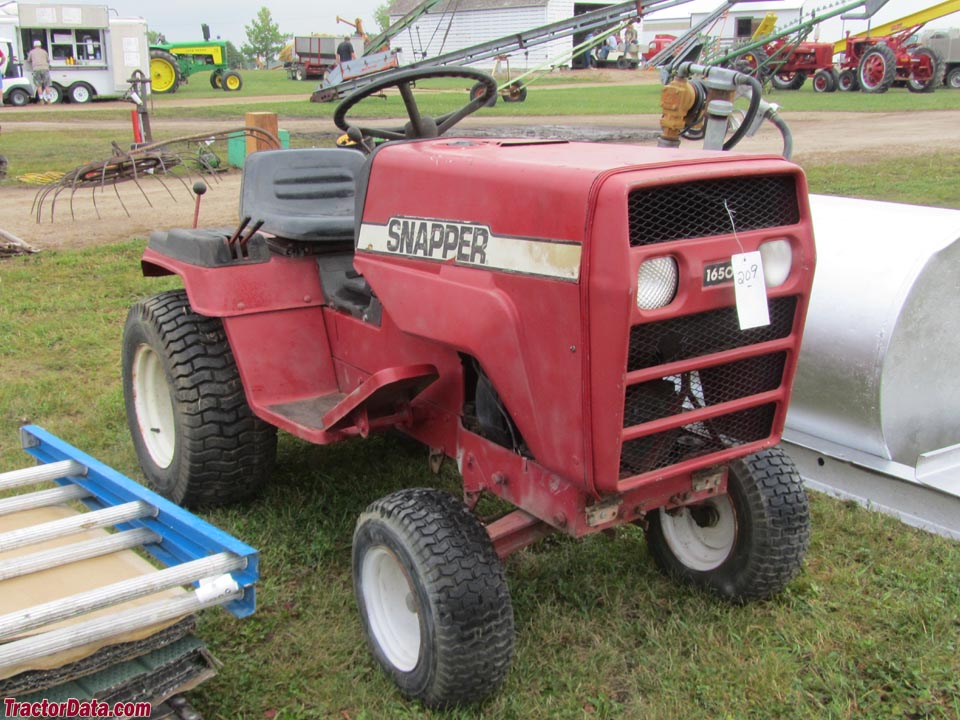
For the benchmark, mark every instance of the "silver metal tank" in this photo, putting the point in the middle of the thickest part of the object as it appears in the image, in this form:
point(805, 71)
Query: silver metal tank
point(878, 382)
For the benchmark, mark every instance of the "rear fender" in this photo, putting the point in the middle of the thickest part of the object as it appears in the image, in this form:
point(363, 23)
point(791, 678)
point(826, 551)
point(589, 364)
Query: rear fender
point(273, 316)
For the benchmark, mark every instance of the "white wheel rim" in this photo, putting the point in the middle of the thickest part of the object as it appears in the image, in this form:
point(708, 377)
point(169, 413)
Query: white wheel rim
point(153, 405)
point(391, 608)
point(699, 546)
point(81, 95)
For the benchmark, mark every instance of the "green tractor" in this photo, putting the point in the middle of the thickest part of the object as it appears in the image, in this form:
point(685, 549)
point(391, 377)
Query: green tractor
point(172, 63)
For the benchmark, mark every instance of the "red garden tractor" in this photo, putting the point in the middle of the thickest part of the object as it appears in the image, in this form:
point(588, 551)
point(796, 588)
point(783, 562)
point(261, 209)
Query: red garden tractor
point(560, 319)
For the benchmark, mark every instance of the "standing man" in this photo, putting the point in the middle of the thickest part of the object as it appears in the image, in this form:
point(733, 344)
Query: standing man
point(345, 52)
point(40, 64)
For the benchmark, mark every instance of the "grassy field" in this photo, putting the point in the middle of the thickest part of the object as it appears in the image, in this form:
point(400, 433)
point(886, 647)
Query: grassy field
point(545, 98)
point(871, 629)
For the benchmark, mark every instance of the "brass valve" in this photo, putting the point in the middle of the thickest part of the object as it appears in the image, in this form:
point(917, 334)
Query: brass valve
point(676, 100)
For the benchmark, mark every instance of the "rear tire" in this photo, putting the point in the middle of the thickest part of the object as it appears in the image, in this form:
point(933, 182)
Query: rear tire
point(756, 62)
point(931, 73)
point(952, 80)
point(513, 94)
point(164, 72)
point(80, 93)
point(788, 81)
point(877, 69)
point(433, 598)
point(196, 438)
point(745, 545)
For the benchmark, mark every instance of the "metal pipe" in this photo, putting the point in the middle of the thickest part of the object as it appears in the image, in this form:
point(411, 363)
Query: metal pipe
point(21, 651)
point(66, 554)
point(42, 498)
point(78, 523)
point(41, 473)
point(60, 609)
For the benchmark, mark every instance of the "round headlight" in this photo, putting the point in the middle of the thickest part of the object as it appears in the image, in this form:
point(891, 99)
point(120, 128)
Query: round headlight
point(657, 283)
point(777, 260)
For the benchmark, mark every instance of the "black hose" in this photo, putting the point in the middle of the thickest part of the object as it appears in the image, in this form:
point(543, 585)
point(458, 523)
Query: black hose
point(751, 115)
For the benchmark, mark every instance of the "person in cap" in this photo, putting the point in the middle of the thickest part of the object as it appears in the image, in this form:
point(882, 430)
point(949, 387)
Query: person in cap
point(40, 65)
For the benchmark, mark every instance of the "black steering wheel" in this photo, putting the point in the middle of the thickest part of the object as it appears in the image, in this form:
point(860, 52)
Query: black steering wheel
point(419, 126)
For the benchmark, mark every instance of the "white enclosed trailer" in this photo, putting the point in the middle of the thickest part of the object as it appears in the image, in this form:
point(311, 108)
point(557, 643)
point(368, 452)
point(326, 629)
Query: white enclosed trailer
point(91, 54)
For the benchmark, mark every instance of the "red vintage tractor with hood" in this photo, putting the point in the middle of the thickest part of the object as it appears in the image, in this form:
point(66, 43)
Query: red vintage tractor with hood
point(563, 320)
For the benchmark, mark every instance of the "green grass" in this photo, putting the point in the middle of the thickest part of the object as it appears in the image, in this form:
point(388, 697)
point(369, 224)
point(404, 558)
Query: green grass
point(924, 179)
point(545, 98)
point(869, 630)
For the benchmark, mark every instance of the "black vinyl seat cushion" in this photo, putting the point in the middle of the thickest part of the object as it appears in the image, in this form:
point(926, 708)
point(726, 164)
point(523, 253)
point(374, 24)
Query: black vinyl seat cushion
point(303, 194)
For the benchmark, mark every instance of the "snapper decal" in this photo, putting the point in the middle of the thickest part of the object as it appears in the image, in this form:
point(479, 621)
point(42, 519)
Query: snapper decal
point(471, 244)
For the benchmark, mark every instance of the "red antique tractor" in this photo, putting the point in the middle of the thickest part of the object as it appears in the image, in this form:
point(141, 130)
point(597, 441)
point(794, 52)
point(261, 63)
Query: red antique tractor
point(875, 64)
point(871, 64)
point(788, 64)
point(560, 319)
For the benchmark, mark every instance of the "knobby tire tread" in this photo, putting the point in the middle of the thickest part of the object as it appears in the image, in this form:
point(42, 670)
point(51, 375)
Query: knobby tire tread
point(467, 584)
point(228, 451)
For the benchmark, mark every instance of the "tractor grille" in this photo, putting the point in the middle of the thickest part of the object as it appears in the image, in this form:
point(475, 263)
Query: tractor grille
point(704, 208)
point(691, 336)
point(695, 440)
point(676, 394)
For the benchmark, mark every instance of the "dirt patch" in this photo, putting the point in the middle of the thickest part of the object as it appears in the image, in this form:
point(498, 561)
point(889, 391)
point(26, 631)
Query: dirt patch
point(818, 137)
point(83, 222)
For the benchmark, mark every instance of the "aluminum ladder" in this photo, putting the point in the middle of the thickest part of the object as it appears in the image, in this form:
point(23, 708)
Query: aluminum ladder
point(222, 570)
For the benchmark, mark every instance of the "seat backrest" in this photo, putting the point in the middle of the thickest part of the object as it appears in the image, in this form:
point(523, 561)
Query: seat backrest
point(304, 194)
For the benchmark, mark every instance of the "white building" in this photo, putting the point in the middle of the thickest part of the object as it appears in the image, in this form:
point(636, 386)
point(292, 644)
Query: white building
point(456, 24)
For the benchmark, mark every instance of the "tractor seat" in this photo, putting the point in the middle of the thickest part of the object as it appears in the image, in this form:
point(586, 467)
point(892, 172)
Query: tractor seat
point(303, 194)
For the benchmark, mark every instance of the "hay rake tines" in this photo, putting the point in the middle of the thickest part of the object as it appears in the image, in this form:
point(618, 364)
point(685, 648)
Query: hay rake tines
point(168, 158)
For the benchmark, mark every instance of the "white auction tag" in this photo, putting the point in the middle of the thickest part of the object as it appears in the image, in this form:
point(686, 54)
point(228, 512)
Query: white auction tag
point(750, 289)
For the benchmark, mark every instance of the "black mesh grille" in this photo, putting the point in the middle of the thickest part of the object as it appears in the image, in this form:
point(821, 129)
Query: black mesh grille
point(700, 209)
point(695, 440)
point(701, 388)
point(692, 336)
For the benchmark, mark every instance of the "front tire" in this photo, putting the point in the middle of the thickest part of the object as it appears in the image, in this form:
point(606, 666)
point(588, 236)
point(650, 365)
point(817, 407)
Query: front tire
point(197, 440)
point(847, 81)
point(18, 97)
point(433, 598)
point(745, 545)
point(53, 95)
point(232, 82)
point(824, 81)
